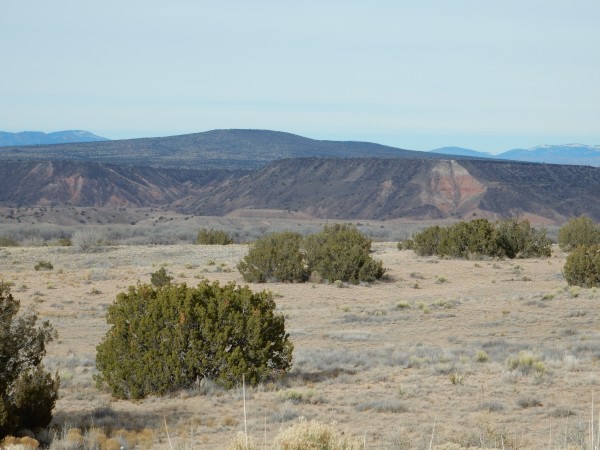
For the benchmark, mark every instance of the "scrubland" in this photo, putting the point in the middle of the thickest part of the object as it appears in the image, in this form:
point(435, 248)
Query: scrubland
point(481, 353)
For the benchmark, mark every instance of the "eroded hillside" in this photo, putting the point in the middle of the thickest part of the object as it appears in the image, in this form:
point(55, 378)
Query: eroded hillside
point(349, 188)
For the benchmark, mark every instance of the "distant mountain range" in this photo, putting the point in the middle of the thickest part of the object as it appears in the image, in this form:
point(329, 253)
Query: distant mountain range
point(246, 149)
point(238, 172)
point(217, 149)
point(579, 154)
point(40, 138)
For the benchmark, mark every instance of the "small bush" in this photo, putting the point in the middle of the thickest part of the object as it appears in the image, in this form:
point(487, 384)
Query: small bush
point(43, 265)
point(28, 392)
point(167, 339)
point(160, 278)
point(480, 237)
point(64, 242)
point(427, 242)
point(582, 267)
point(341, 252)
point(518, 239)
point(21, 443)
point(314, 435)
point(408, 244)
point(526, 362)
point(529, 402)
point(578, 231)
point(275, 257)
point(213, 237)
point(88, 240)
point(481, 356)
point(338, 254)
point(8, 241)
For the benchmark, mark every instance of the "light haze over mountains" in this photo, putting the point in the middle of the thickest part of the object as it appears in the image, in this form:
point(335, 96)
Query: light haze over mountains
point(40, 138)
point(579, 154)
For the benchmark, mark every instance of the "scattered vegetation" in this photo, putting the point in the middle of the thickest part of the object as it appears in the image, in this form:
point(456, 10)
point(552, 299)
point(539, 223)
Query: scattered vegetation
point(276, 257)
point(582, 267)
point(213, 237)
point(167, 339)
point(8, 241)
point(88, 240)
point(481, 356)
point(529, 402)
point(526, 362)
point(480, 237)
point(338, 254)
point(309, 435)
point(160, 278)
point(341, 252)
point(28, 392)
point(43, 265)
point(578, 231)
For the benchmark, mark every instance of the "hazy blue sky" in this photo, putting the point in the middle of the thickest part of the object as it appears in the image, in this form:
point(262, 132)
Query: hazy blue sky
point(418, 74)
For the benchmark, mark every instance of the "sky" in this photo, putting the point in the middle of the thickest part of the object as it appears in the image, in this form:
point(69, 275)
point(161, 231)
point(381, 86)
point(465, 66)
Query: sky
point(490, 75)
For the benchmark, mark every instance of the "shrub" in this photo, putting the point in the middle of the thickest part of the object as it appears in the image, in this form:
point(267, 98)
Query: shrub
point(275, 257)
point(582, 267)
point(426, 242)
point(578, 231)
point(314, 435)
point(27, 392)
point(8, 241)
point(166, 339)
point(526, 362)
point(508, 238)
point(160, 278)
point(407, 244)
point(341, 252)
point(88, 240)
point(64, 242)
point(465, 239)
point(213, 237)
point(43, 265)
point(518, 239)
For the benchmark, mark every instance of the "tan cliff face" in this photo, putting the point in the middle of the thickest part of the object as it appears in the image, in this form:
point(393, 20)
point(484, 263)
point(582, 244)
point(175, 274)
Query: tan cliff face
point(452, 189)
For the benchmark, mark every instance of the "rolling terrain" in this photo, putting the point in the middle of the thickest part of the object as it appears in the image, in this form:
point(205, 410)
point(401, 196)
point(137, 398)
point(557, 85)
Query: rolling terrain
point(217, 149)
point(39, 138)
point(349, 188)
point(579, 154)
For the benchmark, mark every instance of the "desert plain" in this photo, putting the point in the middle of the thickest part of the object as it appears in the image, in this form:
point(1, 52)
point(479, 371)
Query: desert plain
point(483, 353)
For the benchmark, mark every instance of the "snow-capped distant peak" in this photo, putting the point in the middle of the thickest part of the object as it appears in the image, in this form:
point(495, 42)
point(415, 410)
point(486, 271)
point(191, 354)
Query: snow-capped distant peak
point(550, 146)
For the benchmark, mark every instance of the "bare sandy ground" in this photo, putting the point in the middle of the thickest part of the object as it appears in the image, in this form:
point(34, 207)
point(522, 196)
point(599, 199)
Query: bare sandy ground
point(425, 353)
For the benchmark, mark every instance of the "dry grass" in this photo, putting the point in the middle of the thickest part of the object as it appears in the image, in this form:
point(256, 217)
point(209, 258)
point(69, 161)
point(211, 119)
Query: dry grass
point(488, 357)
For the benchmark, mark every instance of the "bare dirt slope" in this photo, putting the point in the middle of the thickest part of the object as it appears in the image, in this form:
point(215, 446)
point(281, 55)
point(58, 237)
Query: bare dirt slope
point(429, 347)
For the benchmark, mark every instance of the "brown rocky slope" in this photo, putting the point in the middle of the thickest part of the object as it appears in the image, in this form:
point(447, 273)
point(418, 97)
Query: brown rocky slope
point(350, 188)
point(423, 189)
